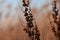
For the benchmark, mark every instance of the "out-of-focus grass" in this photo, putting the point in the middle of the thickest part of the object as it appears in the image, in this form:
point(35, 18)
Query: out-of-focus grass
point(10, 33)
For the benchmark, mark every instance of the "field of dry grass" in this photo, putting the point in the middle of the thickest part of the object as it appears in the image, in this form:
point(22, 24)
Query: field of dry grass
point(14, 29)
point(11, 27)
